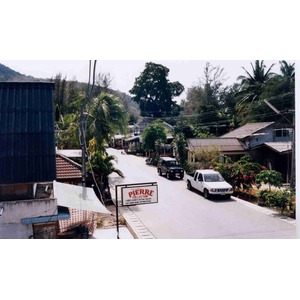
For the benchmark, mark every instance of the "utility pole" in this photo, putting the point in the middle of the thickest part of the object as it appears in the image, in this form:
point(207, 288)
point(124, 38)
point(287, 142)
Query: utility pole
point(82, 142)
point(84, 117)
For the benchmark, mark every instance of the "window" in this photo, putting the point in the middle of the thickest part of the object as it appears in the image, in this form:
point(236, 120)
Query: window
point(213, 177)
point(283, 132)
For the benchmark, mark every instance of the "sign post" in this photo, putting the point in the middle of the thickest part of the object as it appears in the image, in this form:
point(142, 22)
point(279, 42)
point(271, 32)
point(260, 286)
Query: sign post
point(135, 194)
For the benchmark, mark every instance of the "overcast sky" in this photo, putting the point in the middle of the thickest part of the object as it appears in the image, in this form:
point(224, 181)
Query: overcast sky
point(124, 72)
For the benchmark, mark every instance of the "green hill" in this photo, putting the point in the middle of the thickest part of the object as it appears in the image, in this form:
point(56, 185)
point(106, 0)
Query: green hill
point(7, 74)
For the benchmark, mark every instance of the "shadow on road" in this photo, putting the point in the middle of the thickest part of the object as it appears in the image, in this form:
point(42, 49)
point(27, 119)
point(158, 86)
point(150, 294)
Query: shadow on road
point(216, 199)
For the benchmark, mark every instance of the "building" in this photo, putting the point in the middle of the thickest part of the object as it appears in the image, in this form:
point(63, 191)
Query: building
point(27, 161)
point(82, 203)
point(268, 143)
point(229, 147)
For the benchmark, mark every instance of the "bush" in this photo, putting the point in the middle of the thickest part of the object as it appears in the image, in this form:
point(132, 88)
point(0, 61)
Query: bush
point(278, 199)
point(264, 197)
point(241, 174)
point(270, 177)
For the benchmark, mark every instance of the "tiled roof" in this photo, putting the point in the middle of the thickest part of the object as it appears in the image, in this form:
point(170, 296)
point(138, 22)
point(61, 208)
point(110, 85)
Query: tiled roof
point(67, 169)
point(224, 144)
point(247, 130)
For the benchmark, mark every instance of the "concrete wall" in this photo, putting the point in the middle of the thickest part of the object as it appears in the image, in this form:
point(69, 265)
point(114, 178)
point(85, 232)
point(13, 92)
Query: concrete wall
point(14, 211)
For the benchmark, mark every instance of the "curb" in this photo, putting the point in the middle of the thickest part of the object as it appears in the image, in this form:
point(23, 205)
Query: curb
point(266, 211)
point(134, 225)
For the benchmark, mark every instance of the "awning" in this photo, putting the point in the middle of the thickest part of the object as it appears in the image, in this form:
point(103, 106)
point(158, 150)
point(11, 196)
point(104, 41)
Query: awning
point(78, 197)
point(280, 147)
point(63, 214)
point(137, 138)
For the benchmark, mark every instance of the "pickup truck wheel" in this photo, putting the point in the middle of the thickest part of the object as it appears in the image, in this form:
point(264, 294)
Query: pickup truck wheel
point(206, 194)
point(189, 186)
point(159, 172)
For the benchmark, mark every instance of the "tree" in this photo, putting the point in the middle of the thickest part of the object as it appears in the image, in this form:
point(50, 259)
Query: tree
point(181, 147)
point(59, 95)
point(208, 156)
point(153, 136)
point(102, 164)
point(154, 93)
point(270, 177)
point(252, 87)
point(287, 70)
point(107, 118)
point(212, 83)
point(279, 90)
point(203, 103)
point(103, 83)
point(68, 135)
point(241, 174)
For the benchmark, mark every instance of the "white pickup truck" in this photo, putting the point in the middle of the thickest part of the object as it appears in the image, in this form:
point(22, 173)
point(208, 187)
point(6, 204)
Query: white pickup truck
point(209, 183)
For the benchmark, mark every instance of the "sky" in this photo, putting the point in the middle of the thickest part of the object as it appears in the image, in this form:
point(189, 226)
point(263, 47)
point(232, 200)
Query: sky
point(124, 72)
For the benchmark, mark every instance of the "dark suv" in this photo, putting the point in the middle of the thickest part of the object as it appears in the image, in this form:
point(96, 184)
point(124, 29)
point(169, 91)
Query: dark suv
point(170, 167)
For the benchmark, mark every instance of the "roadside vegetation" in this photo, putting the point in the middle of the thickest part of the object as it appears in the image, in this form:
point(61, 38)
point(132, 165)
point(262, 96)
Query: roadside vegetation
point(211, 108)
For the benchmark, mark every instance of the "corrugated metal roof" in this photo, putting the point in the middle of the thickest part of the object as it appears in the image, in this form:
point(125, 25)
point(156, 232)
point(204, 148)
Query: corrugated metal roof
point(46, 219)
point(224, 144)
point(27, 152)
point(70, 153)
point(280, 147)
point(247, 130)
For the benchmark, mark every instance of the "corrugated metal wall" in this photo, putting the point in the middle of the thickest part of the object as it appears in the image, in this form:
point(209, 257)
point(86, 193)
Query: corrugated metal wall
point(27, 142)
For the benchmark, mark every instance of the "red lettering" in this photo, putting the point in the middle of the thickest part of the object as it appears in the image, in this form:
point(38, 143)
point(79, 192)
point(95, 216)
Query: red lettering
point(145, 192)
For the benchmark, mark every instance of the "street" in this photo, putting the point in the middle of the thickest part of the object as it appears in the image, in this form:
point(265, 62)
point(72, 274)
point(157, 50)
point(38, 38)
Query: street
point(184, 214)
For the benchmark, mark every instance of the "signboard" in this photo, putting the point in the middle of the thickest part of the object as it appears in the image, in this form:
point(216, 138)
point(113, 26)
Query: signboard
point(135, 194)
point(139, 194)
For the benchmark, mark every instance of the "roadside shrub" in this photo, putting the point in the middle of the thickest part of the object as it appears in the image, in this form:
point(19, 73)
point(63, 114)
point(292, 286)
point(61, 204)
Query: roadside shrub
point(208, 156)
point(270, 177)
point(277, 198)
point(280, 200)
point(241, 174)
point(264, 197)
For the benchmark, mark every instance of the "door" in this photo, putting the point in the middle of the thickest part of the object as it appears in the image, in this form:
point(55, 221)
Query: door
point(45, 230)
point(198, 182)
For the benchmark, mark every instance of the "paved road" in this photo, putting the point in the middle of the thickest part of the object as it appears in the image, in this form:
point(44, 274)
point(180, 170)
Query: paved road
point(183, 214)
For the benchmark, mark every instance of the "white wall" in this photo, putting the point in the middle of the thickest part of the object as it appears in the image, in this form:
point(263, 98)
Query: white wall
point(14, 211)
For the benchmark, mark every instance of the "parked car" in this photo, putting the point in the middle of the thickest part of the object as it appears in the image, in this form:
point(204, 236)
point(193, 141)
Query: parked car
point(209, 182)
point(170, 167)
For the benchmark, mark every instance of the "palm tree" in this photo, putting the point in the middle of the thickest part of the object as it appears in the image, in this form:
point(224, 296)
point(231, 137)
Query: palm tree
point(287, 77)
point(252, 84)
point(287, 70)
point(108, 117)
point(103, 166)
point(280, 89)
